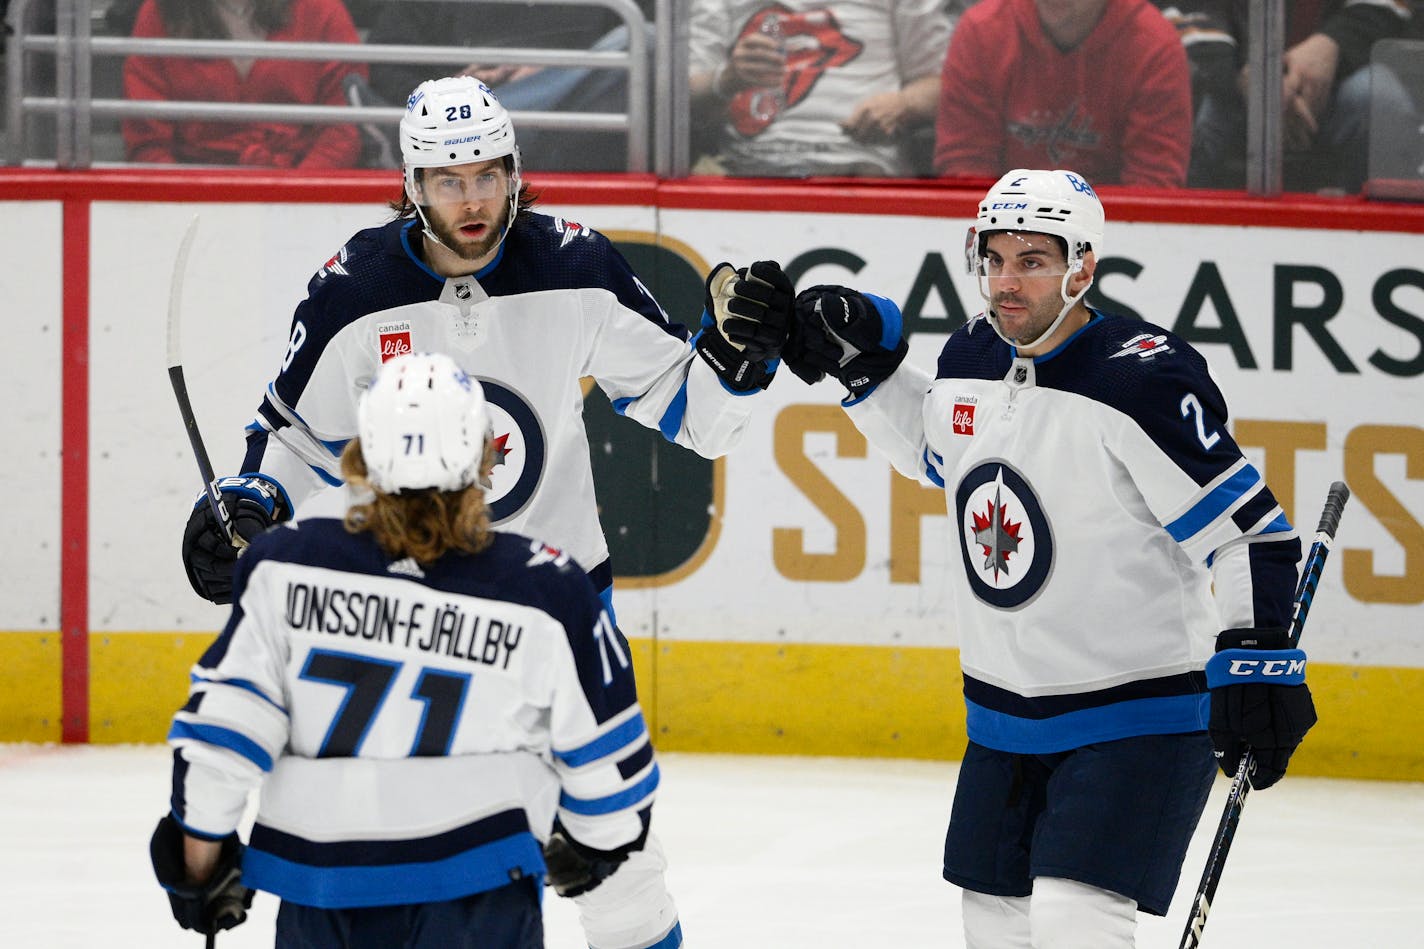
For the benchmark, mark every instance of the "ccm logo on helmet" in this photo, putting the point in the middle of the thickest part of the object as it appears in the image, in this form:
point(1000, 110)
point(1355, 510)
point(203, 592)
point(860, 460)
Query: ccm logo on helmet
point(1007, 206)
point(1267, 667)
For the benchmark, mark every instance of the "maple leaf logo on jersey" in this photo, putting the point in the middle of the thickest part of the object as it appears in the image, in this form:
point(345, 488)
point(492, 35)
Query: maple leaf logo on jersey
point(1145, 346)
point(814, 43)
point(997, 536)
point(501, 449)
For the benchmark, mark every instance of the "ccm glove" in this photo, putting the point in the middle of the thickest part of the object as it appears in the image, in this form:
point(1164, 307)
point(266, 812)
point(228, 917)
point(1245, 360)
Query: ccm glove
point(852, 336)
point(253, 504)
point(221, 903)
point(1259, 700)
point(571, 868)
point(745, 323)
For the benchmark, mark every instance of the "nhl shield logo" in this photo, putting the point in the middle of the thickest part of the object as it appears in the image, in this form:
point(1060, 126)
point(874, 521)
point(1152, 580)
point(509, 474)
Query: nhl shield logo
point(1005, 537)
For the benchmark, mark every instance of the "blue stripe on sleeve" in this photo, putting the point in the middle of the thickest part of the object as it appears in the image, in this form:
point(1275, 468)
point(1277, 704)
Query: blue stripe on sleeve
point(613, 802)
point(1209, 508)
point(930, 471)
point(222, 738)
point(671, 422)
point(621, 405)
point(605, 744)
point(243, 684)
point(487, 867)
point(1160, 715)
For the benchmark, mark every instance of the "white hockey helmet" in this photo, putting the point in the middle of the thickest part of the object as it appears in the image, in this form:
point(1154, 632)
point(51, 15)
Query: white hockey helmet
point(423, 424)
point(457, 121)
point(1060, 203)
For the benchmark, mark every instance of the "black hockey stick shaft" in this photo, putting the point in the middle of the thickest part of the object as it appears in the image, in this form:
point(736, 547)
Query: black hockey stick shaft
point(180, 386)
point(1240, 786)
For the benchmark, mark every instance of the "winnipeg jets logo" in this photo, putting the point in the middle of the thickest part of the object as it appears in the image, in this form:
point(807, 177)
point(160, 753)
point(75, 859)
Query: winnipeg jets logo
point(336, 265)
point(570, 230)
point(996, 534)
point(521, 450)
point(1005, 537)
point(1144, 346)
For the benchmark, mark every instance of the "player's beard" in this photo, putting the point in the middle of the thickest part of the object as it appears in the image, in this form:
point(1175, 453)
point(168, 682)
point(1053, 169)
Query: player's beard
point(448, 230)
point(1028, 324)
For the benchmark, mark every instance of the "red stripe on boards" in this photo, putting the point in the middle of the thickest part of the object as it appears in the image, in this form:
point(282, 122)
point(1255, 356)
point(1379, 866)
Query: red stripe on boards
point(74, 477)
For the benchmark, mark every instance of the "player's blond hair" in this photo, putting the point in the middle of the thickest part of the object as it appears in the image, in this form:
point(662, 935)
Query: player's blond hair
point(424, 525)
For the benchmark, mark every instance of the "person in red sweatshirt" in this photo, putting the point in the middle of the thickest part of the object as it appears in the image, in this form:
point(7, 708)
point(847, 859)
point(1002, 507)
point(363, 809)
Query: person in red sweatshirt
point(262, 144)
point(1101, 86)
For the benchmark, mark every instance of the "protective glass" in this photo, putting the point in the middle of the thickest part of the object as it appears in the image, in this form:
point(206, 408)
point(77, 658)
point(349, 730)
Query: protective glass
point(446, 186)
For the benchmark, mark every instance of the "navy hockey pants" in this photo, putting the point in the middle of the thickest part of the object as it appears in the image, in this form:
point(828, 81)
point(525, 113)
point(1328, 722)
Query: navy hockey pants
point(1116, 815)
point(507, 918)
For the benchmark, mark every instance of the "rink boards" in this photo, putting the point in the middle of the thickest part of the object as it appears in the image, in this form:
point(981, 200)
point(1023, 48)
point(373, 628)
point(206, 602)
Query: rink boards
point(793, 600)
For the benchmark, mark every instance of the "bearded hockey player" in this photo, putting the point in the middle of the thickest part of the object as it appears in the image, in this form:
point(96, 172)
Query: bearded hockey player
point(1105, 528)
point(526, 303)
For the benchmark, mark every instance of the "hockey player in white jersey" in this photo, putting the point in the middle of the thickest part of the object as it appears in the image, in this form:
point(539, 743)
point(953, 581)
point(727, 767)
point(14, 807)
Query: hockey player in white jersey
point(527, 303)
point(421, 701)
point(1097, 501)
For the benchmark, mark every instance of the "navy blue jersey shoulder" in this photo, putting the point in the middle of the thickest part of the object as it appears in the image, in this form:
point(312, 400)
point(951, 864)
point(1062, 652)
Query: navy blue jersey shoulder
point(513, 568)
point(1137, 368)
point(974, 351)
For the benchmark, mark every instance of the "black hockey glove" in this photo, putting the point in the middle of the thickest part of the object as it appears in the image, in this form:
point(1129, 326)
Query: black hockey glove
point(1259, 700)
point(852, 336)
point(572, 869)
point(745, 323)
point(254, 504)
point(221, 903)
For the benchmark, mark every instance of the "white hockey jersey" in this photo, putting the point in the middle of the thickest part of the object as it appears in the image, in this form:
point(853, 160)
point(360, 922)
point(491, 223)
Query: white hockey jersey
point(414, 728)
point(1096, 500)
point(558, 304)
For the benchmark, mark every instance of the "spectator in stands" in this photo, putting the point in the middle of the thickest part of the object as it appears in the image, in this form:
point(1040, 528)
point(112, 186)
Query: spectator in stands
point(522, 88)
point(1101, 86)
point(1326, 93)
point(836, 87)
point(272, 144)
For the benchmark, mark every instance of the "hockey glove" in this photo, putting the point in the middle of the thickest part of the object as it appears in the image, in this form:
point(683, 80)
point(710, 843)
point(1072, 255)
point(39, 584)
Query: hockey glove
point(572, 869)
point(221, 903)
point(1259, 700)
point(745, 323)
point(253, 504)
point(852, 336)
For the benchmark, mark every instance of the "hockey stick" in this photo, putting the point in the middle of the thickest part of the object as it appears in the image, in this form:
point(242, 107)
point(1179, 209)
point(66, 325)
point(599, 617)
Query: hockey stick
point(1240, 787)
point(180, 387)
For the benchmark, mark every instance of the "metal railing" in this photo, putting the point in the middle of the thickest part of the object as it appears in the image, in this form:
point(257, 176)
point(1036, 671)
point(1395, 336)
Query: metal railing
point(74, 106)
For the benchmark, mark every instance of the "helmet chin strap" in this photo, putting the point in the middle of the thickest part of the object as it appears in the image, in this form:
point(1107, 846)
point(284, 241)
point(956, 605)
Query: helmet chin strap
point(1068, 303)
point(514, 185)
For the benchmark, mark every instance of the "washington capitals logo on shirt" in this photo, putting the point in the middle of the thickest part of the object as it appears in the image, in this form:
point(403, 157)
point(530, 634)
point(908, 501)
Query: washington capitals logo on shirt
point(1005, 538)
point(1144, 346)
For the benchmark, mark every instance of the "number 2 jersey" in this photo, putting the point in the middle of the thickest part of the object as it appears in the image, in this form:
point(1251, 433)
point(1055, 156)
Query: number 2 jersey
point(1096, 501)
point(414, 728)
point(558, 304)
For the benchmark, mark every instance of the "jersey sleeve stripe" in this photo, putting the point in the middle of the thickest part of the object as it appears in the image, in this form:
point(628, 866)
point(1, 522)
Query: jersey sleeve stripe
point(671, 422)
point(221, 737)
point(620, 737)
point(1218, 500)
point(244, 684)
point(932, 462)
point(621, 800)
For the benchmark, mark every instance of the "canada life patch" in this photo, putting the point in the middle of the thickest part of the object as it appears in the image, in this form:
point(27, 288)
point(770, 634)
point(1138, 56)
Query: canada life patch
point(393, 339)
point(963, 418)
